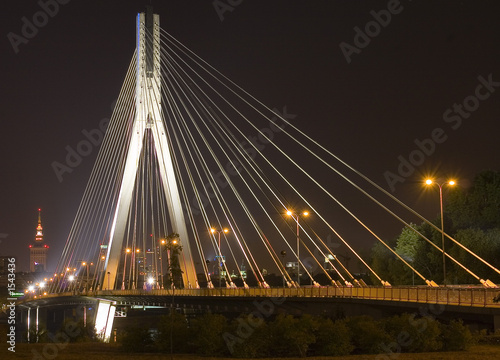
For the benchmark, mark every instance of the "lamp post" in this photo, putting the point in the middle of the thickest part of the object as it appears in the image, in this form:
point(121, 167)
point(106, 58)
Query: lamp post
point(283, 254)
point(213, 230)
point(296, 216)
point(135, 279)
point(162, 242)
point(449, 183)
point(127, 251)
point(87, 279)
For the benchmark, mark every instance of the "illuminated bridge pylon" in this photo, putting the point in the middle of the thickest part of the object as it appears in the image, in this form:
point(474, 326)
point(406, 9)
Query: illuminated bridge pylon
point(148, 115)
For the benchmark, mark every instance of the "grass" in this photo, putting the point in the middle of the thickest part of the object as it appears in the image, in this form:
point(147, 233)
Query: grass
point(86, 351)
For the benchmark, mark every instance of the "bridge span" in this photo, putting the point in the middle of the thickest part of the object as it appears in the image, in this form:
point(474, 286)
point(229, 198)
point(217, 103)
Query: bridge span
point(475, 305)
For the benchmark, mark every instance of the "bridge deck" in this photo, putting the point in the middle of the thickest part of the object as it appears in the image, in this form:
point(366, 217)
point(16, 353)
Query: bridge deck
point(461, 296)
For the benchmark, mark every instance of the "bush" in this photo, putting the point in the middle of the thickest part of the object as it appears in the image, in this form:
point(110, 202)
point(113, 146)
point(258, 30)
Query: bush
point(248, 337)
point(177, 325)
point(292, 336)
point(207, 335)
point(136, 339)
point(368, 335)
point(414, 334)
point(332, 338)
point(456, 336)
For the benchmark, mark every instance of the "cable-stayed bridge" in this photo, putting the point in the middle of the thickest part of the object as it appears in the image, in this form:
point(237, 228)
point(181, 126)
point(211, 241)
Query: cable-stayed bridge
point(198, 186)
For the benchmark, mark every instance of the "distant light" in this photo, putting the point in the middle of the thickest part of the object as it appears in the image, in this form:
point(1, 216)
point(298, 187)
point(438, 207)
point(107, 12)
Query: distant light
point(71, 278)
point(42, 285)
point(151, 281)
point(31, 288)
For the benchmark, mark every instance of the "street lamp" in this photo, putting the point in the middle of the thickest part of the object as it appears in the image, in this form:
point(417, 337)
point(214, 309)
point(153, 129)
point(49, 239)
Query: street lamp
point(283, 254)
point(135, 278)
point(213, 230)
point(296, 216)
point(449, 183)
point(163, 242)
point(127, 251)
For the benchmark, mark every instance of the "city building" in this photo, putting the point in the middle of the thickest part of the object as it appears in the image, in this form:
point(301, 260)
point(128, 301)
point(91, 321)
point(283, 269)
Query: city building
point(38, 250)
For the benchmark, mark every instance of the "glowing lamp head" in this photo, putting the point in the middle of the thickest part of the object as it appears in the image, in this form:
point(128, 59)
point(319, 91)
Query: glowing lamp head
point(137, 250)
point(226, 230)
point(84, 263)
point(151, 281)
point(428, 181)
point(127, 250)
point(305, 213)
point(289, 213)
point(163, 241)
point(212, 230)
point(71, 278)
point(452, 182)
point(174, 241)
point(31, 288)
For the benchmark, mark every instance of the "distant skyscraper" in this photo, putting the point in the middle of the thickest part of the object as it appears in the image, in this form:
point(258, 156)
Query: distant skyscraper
point(38, 250)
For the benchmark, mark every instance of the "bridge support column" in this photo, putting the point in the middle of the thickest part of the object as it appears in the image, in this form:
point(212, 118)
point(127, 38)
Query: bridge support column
point(104, 318)
point(28, 324)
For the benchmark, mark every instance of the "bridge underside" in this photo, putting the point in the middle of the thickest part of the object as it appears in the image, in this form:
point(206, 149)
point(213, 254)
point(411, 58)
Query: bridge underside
point(148, 305)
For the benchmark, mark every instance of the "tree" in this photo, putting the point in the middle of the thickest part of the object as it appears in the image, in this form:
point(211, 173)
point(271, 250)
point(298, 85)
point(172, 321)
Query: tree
point(207, 334)
point(173, 248)
point(291, 336)
point(173, 332)
point(333, 338)
point(484, 243)
point(478, 206)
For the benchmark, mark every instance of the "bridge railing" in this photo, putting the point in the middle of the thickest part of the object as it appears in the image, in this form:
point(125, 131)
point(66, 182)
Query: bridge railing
point(462, 296)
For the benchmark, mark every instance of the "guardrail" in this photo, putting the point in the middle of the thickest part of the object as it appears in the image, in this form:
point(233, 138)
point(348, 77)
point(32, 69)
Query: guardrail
point(477, 297)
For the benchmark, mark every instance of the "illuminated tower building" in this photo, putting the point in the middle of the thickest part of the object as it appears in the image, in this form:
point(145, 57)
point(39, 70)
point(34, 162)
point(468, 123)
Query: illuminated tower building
point(38, 250)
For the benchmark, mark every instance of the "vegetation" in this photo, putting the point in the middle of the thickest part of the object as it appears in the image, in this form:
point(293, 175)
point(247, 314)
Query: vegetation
point(471, 216)
point(289, 336)
point(173, 249)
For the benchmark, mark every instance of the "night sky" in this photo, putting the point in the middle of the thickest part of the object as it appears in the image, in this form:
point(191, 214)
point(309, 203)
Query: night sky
point(430, 71)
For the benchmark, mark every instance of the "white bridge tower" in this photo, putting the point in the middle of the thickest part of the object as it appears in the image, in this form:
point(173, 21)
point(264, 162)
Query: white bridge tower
point(148, 115)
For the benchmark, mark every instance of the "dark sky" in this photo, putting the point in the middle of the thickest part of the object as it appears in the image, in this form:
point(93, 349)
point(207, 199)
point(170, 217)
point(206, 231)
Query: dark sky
point(396, 89)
